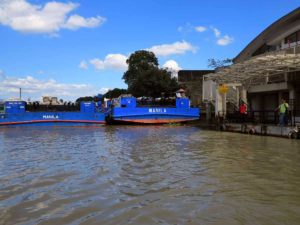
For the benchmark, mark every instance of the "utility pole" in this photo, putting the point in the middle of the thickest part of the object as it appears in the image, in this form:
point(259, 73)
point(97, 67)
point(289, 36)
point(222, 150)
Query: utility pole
point(20, 93)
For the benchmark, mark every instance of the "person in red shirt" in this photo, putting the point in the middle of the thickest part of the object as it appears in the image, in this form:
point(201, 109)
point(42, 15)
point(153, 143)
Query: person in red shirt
point(243, 111)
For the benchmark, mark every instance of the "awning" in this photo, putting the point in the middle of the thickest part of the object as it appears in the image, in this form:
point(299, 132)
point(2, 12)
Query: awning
point(266, 65)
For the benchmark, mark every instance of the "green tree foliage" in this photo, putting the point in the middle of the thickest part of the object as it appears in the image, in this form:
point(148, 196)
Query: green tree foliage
point(110, 94)
point(85, 99)
point(145, 78)
point(217, 63)
point(115, 93)
point(88, 99)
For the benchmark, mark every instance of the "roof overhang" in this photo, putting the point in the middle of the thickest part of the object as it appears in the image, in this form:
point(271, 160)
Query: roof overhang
point(278, 30)
point(258, 67)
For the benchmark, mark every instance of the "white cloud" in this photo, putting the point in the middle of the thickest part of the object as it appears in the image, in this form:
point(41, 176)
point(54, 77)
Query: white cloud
point(172, 49)
point(83, 65)
point(118, 61)
point(216, 31)
point(221, 40)
point(104, 90)
point(22, 16)
point(75, 22)
point(2, 75)
point(40, 72)
point(111, 61)
point(226, 40)
point(186, 28)
point(172, 66)
point(180, 29)
point(35, 88)
point(200, 28)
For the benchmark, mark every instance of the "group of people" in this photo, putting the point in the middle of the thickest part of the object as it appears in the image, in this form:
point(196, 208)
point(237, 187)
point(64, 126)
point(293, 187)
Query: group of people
point(283, 110)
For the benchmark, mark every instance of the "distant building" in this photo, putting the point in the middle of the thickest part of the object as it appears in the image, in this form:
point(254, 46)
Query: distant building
point(47, 100)
point(191, 81)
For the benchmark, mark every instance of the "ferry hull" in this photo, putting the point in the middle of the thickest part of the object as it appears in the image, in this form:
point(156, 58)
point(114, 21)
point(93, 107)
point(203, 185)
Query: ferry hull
point(51, 119)
point(152, 121)
point(153, 115)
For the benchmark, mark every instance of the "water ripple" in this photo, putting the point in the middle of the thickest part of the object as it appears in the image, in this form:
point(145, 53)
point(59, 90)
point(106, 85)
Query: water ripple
point(146, 175)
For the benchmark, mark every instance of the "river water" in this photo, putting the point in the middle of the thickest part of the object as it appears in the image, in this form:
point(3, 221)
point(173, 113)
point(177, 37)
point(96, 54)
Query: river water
point(147, 175)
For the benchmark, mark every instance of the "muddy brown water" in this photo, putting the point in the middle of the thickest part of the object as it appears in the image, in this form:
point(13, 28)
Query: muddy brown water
point(146, 175)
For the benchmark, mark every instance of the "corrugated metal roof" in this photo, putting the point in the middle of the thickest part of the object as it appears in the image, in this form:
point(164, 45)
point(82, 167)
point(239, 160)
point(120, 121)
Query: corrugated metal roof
point(257, 67)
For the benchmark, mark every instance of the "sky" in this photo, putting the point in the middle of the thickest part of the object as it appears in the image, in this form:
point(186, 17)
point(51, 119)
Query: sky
point(79, 48)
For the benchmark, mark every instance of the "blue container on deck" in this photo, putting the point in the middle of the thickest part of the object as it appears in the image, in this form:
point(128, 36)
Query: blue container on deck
point(182, 103)
point(128, 102)
point(14, 107)
point(87, 107)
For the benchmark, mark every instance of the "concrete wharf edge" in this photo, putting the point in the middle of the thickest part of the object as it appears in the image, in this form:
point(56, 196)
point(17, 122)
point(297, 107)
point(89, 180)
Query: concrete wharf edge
point(292, 132)
point(262, 129)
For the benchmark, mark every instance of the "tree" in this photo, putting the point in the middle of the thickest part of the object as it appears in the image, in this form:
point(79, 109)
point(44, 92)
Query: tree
point(138, 62)
point(145, 78)
point(85, 99)
point(115, 93)
point(217, 63)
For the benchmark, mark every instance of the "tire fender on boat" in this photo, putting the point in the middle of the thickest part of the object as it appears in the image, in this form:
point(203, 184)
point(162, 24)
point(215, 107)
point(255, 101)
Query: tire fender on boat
point(252, 131)
point(293, 134)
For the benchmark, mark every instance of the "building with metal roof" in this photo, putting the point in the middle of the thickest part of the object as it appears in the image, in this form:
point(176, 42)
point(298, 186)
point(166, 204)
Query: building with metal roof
point(265, 71)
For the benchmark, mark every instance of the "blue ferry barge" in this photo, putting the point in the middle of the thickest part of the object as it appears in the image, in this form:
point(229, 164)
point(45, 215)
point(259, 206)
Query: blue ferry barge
point(126, 110)
point(15, 113)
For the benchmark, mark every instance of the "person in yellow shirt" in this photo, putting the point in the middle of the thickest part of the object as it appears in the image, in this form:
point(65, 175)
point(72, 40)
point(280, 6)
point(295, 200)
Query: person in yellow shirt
point(283, 109)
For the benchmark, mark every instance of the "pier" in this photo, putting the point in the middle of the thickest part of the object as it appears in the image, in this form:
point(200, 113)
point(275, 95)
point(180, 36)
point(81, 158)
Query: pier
point(262, 129)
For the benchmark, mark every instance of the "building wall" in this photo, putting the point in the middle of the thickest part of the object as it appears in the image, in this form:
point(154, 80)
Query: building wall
point(193, 91)
point(263, 102)
point(192, 82)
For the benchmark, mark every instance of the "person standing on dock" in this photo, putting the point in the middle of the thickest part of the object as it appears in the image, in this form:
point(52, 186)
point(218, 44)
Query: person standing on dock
point(283, 110)
point(243, 111)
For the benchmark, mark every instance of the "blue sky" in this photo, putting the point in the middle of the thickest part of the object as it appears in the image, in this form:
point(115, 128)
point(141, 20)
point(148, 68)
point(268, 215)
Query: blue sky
point(76, 48)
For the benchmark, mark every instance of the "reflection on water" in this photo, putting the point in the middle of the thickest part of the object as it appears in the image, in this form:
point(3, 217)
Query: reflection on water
point(146, 175)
